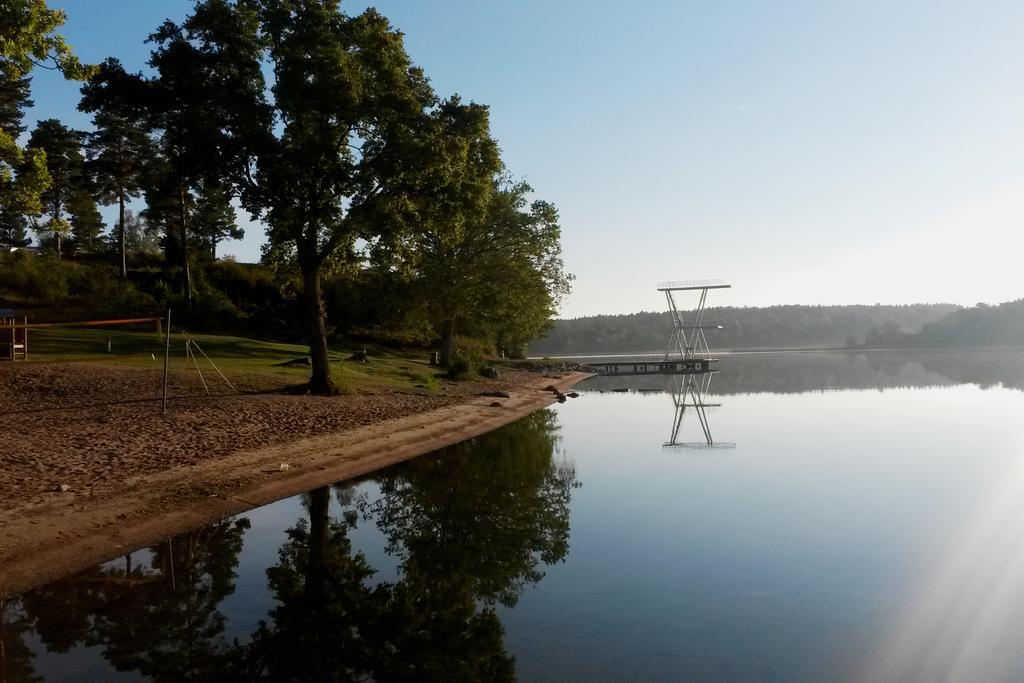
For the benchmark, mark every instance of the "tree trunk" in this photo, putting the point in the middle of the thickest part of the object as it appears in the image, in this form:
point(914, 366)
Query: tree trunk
point(56, 224)
point(187, 276)
point(447, 342)
point(121, 234)
point(319, 525)
point(313, 307)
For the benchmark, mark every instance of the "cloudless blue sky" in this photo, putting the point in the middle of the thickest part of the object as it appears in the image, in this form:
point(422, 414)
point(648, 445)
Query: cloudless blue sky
point(809, 152)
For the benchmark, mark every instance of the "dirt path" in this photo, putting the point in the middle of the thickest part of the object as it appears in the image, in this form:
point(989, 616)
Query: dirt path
point(134, 481)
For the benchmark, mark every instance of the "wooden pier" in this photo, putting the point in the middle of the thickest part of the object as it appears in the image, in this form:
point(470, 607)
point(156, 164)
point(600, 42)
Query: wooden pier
point(690, 366)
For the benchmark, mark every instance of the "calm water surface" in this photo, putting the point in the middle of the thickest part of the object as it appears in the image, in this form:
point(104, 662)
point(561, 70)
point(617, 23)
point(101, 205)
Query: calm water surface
point(859, 517)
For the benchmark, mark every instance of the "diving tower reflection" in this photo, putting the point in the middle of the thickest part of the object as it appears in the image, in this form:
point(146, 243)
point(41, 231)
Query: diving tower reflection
point(689, 391)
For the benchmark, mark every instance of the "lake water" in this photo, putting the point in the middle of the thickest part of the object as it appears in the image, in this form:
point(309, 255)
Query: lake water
point(856, 517)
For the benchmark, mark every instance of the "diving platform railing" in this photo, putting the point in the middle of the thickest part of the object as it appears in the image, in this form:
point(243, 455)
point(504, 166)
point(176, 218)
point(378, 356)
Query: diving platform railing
point(680, 285)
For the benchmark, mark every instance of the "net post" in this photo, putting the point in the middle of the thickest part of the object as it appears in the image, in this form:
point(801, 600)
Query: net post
point(167, 357)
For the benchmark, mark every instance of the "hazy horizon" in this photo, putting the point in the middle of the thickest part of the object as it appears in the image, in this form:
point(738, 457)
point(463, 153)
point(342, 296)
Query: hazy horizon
point(712, 307)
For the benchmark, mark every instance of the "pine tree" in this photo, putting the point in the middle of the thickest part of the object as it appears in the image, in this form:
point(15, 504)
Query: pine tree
point(120, 147)
point(14, 100)
point(86, 222)
point(214, 218)
point(13, 229)
point(64, 163)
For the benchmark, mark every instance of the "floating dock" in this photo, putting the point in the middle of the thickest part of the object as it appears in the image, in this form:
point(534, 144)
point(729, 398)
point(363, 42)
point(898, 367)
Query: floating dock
point(656, 367)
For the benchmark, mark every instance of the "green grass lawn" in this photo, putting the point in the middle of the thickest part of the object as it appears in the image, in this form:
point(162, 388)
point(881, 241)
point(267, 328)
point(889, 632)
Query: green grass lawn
point(232, 355)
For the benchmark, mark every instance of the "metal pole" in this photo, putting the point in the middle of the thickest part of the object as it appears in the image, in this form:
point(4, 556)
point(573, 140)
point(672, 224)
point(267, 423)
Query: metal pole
point(167, 357)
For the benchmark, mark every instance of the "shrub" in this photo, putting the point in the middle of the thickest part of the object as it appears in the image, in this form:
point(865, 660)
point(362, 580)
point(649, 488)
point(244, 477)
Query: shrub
point(462, 368)
point(427, 379)
point(100, 292)
point(38, 279)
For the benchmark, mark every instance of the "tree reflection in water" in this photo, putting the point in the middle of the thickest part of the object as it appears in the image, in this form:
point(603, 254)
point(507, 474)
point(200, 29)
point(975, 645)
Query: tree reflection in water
point(159, 618)
point(16, 657)
point(471, 527)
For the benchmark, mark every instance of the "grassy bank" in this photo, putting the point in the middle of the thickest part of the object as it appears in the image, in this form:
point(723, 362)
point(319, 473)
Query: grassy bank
point(276, 365)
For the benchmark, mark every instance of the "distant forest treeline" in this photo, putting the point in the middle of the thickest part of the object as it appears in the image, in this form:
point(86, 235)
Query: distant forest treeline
point(981, 325)
point(746, 328)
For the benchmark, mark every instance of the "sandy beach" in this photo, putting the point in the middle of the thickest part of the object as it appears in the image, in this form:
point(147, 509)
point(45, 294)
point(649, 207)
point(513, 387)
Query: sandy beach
point(91, 469)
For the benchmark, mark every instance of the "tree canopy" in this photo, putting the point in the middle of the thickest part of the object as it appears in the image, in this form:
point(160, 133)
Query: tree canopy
point(28, 38)
point(119, 148)
point(65, 166)
point(313, 152)
point(318, 124)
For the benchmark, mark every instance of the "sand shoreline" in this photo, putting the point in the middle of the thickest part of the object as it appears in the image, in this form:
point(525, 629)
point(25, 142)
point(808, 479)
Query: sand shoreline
point(41, 543)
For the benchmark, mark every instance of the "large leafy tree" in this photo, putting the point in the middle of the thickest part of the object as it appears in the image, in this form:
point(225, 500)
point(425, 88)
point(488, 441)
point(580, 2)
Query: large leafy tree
point(119, 147)
point(464, 160)
point(525, 280)
point(481, 256)
point(319, 149)
point(28, 38)
point(65, 166)
point(496, 271)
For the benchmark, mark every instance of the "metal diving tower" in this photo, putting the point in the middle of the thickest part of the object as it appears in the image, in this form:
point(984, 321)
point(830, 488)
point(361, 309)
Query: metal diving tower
point(688, 350)
point(688, 341)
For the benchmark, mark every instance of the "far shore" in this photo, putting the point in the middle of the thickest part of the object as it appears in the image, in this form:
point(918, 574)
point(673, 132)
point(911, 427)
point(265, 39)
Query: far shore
point(590, 355)
point(142, 480)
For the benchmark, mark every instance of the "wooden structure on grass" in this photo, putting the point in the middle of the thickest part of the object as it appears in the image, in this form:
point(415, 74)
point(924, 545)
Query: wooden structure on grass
point(13, 338)
point(14, 332)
